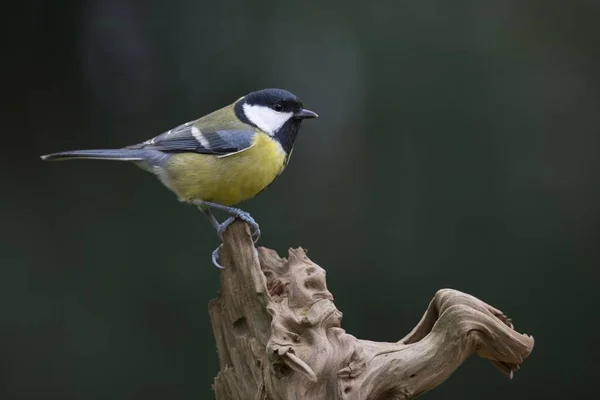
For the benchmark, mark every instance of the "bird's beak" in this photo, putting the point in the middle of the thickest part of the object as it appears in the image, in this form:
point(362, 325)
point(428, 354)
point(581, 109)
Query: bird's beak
point(304, 113)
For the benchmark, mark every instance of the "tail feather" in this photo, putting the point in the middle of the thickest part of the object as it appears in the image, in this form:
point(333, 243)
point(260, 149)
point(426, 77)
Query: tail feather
point(108, 154)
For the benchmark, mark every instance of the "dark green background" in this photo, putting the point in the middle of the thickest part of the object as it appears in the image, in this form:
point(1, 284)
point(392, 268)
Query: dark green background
point(457, 147)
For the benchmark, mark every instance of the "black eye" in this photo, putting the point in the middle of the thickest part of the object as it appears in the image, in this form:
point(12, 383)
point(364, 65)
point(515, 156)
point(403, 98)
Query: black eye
point(278, 107)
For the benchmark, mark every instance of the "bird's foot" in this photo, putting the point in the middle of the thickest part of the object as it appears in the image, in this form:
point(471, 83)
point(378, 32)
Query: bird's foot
point(246, 217)
point(215, 257)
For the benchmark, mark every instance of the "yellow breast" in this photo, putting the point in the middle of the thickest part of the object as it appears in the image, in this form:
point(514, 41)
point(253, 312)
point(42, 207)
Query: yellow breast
point(228, 179)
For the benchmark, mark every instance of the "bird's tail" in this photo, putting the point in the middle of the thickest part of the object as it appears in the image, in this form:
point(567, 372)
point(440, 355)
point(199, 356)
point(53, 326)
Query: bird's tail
point(108, 154)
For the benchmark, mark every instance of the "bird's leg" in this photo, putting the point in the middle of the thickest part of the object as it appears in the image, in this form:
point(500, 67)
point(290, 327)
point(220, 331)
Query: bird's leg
point(205, 206)
point(217, 226)
point(211, 217)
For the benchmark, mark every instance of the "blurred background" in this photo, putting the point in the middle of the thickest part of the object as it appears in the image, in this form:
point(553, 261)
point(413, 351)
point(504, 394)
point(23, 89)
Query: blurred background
point(457, 147)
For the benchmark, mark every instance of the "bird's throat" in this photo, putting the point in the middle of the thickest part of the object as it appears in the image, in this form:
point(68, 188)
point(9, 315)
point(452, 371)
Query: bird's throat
point(286, 136)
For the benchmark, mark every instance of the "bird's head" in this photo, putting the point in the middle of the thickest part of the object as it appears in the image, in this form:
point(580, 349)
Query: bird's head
point(270, 109)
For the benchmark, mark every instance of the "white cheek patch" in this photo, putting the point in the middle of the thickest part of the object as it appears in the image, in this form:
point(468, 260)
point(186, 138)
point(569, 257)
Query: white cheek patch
point(200, 137)
point(265, 118)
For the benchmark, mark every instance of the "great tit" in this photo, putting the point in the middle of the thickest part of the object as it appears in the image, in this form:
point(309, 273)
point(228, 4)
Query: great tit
point(221, 159)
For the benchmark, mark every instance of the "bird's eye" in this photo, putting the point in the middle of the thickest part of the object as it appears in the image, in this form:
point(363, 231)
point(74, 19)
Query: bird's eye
point(278, 107)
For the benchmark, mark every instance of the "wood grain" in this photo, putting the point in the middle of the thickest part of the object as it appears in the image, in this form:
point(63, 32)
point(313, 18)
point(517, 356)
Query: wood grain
point(279, 336)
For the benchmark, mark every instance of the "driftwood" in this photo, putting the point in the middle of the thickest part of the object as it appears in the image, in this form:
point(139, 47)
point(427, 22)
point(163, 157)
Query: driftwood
point(278, 335)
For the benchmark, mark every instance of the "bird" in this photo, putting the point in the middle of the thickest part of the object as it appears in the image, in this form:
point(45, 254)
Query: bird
point(221, 159)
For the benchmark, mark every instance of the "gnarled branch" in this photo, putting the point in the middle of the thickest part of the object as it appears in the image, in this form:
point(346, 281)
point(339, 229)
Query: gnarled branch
point(278, 335)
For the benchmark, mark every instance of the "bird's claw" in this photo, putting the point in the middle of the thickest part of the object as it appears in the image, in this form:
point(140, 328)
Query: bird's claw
point(246, 217)
point(215, 257)
point(235, 213)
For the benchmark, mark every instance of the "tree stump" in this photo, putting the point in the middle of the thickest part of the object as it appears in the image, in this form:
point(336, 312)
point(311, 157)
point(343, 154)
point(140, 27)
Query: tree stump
point(278, 334)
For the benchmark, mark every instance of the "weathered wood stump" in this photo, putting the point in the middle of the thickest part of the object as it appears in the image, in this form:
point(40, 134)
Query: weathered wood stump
point(278, 335)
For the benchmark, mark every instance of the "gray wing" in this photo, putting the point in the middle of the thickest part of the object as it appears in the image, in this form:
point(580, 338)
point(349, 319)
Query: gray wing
point(189, 138)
